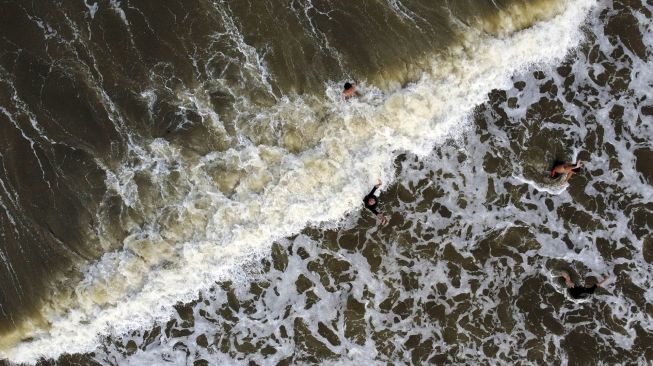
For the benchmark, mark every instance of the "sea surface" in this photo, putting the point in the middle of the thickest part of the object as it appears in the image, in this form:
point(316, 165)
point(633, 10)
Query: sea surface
point(181, 182)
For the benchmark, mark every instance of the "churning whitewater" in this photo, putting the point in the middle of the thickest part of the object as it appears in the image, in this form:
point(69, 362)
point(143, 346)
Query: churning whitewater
point(173, 255)
point(220, 217)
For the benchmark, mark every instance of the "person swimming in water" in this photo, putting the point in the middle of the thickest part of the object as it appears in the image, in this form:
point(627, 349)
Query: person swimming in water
point(568, 169)
point(371, 203)
point(580, 292)
point(349, 90)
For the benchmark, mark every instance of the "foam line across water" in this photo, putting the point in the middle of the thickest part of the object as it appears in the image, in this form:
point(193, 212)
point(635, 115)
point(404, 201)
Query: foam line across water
point(200, 233)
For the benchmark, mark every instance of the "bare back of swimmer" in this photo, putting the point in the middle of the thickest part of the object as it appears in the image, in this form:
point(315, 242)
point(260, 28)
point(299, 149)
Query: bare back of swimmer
point(568, 169)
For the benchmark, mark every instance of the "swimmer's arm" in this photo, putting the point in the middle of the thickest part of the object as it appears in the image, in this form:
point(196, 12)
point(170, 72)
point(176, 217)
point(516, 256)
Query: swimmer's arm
point(568, 281)
point(600, 283)
point(376, 186)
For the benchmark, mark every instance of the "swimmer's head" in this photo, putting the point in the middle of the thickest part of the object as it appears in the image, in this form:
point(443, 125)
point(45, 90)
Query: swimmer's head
point(371, 201)
point(348, 86)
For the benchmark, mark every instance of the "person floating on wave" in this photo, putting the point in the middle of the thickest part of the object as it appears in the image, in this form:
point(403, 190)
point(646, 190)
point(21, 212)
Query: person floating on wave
point(349, 90)
point(566, 168)
point(579, 292)
point(371, 203)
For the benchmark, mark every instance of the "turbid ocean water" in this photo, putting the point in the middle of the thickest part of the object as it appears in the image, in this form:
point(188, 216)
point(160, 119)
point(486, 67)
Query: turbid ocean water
point(181, 182)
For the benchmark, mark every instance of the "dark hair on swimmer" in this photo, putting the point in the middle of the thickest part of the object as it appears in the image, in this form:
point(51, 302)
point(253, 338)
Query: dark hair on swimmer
point(347, 86)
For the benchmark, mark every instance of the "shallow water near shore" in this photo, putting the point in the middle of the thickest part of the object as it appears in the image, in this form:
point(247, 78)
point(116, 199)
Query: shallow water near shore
point(217, 215)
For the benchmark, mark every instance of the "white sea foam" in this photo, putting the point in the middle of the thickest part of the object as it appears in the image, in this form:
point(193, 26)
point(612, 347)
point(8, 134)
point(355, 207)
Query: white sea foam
point(551, 189)
point(92, 8)
point(281, 192)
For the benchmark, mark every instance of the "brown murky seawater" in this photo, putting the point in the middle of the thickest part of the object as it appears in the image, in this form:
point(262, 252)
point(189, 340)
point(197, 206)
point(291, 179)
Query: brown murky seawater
point(138, 137)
